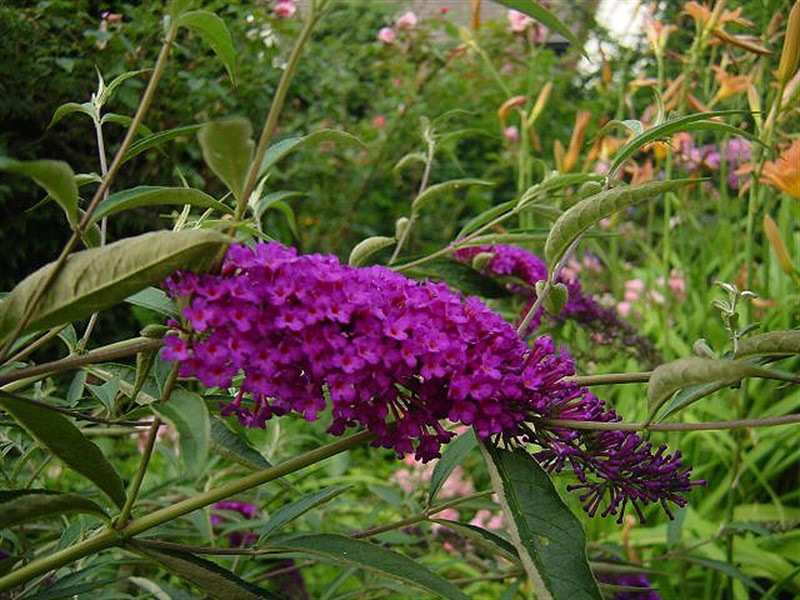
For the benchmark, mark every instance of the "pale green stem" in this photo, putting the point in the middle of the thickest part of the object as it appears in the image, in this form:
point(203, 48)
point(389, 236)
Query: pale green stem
point(105, 185)
point(106, 353)
point(152, 435)
point(112, 537)
point(422, 187)
point(275, 111)
point(610, 378)
point(703, 426)
point(27, 351)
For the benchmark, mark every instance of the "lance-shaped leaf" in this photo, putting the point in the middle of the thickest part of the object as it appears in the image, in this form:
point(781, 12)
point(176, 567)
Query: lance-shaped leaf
point(486, 216)
point(545, 17)
point(228, 150)
point(695, 122)
point(147, 195)
point(589, 211)
point(54, 176)
point(230, 445)
point(270, 200)
point(277, 151)
point(686, 372)
point(111, 88)
point(548, 537)
point(459, 276)
point(293, 510)
point(57, 434)
point(358, 553)
point(154, 299)
point(188, 414)
point(453, 455)
point(484, 537)
point(20, 506)
point(214, 33)
point(206, 575)
point(775, 343)
point(446, 187)
point(68, 108)
point(156, 139)
point(94, 279)
point(366, 248)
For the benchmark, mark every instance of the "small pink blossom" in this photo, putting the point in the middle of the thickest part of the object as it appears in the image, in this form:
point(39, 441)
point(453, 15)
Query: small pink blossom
point(511, 133)
point(624, 308)
point(518, 22)
point(387, 35)
point(443, 10)
point(633, 289)
point(507, 68)
point(592, 263)
point(285, 9)
point(379, 121)
point(407, 20)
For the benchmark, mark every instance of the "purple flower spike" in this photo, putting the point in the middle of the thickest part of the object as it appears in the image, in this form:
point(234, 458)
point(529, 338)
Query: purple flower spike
point(399, 357)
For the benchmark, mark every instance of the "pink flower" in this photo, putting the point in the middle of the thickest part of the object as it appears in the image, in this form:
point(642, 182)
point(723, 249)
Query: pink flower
point(518, 22)
point(407, 20)
point(633, 289)
point(285, 9)
point(511, 133)
point(387, 35)
point(379, 122)
point(443, 10)
point(624, 308)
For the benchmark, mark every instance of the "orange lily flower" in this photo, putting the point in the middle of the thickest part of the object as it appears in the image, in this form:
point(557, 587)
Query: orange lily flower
point(784, 173)
point(729, 85)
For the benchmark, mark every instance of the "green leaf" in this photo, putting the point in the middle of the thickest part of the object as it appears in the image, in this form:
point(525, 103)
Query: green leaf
point(156, 139)
point(229, 444)
point(632, 125)
point(366, 248)
point(57, 434)
point(109, 90)
point(54, 176)
point(188, 414)
point(69, 108)
point(583, 215)
point(94, 279)
point(228, 150)
point(147, 195)
point(483, 536)
point(454, 453)
point(206, 575)
point(685, 372)
point(408, 159)
point(726, 568)
point(488, 215)
point(20, 506)
point(269, 201)
point(358, 553)
point(775, 343)
point(506, 238)
point(548, 537)
point(106, 393)
point(125, 121)
point(155, 300)
point(214, 33)
point(695, 122)
point(536, 11)
point(293, 510)
point(440, 189)
point(279, 150)
point(459, 276)
point(690, 395)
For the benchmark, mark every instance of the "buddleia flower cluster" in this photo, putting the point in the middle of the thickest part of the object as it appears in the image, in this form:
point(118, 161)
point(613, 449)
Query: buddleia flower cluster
point(399, 358)
point(523, 269)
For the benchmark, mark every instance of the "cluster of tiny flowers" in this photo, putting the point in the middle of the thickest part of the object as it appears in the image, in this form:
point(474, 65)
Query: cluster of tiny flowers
point(397, 357)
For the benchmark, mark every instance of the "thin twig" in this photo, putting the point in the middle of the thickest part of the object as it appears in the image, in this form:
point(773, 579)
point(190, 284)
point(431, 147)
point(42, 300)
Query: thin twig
point(703, 426)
